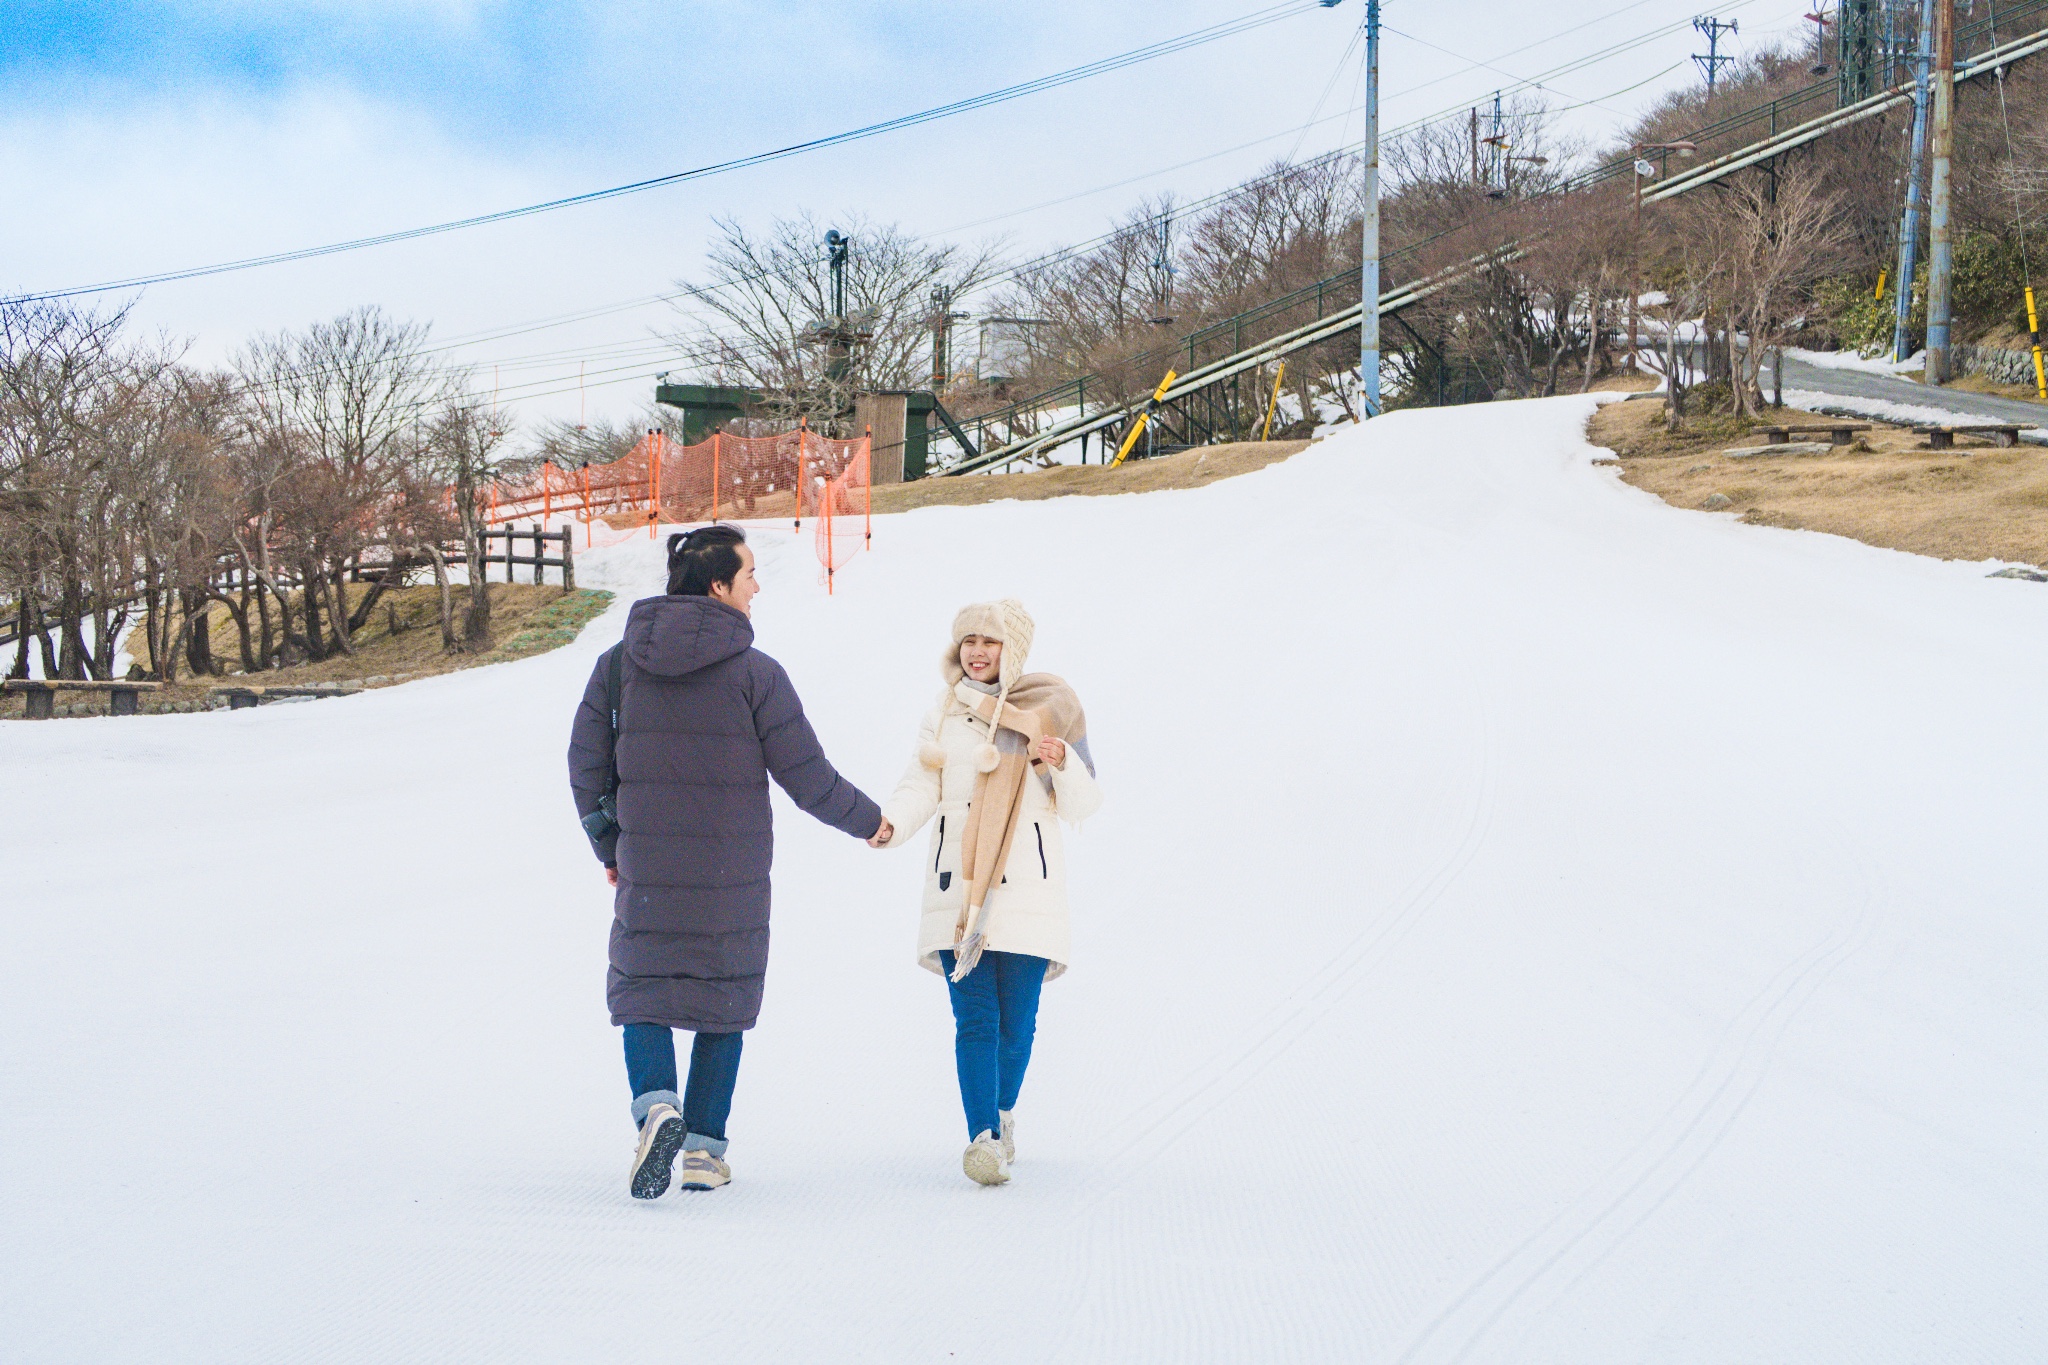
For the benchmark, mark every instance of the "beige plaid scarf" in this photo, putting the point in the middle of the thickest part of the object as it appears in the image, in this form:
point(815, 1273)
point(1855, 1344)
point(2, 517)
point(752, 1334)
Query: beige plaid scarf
point(1036, 705)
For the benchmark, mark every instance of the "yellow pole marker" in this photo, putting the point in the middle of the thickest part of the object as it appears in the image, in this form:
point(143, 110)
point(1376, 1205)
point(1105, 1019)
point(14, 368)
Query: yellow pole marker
point(1138, 427)
point(1878, 292)
point(2034, 326)
point(1273, 402)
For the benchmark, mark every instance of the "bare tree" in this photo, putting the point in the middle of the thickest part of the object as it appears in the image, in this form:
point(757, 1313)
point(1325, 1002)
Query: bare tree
point(464, 450)
point(332, 412)
point(64, 378)
point(1761, 244)
point(760, 315)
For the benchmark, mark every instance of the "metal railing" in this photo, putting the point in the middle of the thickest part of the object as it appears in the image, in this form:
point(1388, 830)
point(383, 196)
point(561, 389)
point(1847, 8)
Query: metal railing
point(1986, 60)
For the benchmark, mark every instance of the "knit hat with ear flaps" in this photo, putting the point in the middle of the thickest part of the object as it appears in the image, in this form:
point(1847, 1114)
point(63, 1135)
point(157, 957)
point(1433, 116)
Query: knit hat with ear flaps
point(1006, 621)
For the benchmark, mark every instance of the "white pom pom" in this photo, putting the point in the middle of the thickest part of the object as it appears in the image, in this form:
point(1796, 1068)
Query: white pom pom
point(931, 755)
point(986, 758)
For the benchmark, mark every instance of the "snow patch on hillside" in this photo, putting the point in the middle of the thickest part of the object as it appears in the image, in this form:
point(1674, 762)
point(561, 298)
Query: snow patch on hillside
point(1528, 923)
point(1884, 410)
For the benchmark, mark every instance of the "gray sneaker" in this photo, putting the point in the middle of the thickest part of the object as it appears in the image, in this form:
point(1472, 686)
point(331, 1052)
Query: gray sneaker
point(983, 1161)
point(661, 1137)
point(1008, 1136)
point(703, 1171)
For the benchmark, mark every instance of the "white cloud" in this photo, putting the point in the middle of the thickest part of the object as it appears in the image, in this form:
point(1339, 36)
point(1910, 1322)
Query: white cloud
point(105, 184)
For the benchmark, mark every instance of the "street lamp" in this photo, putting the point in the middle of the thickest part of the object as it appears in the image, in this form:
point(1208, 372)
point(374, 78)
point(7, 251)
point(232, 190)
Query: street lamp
point(1644, 170)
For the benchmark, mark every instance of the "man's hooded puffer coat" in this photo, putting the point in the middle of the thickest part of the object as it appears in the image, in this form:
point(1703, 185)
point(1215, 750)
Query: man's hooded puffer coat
point(1028, 908)
point(705, 720)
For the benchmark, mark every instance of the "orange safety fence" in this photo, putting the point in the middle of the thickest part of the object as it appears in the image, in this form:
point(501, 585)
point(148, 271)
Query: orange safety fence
point(845, 523)
point(795, 474)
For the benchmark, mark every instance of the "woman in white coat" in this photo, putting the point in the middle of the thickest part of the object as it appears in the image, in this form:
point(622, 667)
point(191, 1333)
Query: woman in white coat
point(1002, 758)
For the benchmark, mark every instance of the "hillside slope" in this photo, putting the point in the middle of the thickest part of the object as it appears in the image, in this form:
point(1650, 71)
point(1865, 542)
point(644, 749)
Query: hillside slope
point(1528, 923)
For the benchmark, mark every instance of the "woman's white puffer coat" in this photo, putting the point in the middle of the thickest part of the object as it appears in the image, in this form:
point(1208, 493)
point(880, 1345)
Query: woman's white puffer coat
point(1028, 908)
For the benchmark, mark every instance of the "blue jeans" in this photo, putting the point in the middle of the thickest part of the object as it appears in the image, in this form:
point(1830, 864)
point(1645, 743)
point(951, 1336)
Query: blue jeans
point(714, 1067)
point(995, 1017)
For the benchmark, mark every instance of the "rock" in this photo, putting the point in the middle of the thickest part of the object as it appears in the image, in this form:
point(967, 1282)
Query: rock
point(1714, 502)
point(1785, 448)
point(1697, 468)
point(2021, 571)
point(377, 680)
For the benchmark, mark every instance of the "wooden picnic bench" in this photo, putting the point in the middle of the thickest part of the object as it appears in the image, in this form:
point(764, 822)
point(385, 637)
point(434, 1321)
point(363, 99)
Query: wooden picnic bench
point(1944, 437)
point(39, 695)
point(1841, 433)
point(242, 696)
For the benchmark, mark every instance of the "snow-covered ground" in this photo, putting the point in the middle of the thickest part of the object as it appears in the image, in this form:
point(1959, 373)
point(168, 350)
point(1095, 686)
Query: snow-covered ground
point(1856, 360)
point(1886, 410)
point(1529, 923)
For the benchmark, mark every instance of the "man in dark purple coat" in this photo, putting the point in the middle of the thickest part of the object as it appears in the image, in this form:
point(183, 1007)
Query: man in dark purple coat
point(705, 719)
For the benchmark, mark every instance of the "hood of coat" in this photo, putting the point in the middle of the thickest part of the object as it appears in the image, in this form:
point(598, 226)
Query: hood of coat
point(675, 636)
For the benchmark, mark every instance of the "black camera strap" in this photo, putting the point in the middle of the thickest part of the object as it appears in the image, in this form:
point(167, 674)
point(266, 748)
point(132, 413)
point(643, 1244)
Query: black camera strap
point(613, 689)
point(603, 822)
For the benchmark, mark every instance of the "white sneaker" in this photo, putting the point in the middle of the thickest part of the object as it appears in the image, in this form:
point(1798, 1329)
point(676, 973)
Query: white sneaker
point(703, 1171)
point(1008, 1119)
point(984, 1162)
point(661, 1137)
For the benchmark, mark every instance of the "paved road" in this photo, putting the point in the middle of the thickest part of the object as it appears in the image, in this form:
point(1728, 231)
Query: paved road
point(1862, 384)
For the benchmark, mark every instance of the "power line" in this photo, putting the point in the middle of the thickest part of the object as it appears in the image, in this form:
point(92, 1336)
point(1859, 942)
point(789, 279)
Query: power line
point(1712, 60)
point(687, 353)
point(1252, 184)
point(1228, 28)
point(464, 341)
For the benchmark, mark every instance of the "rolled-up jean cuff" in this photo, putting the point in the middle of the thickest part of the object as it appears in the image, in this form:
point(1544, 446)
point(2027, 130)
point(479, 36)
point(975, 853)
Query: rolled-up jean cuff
point(697, 1142)
point(643, 1103)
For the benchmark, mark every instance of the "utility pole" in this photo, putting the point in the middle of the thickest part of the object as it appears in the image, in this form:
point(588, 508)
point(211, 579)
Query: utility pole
point(837, 334)
point(1939, 259)
point(1712, 61)
point(1856, 52)
point(942, 326)
point(1494, 144)
point(839, 345)
point(1644, 171)
point(1891, 43)
point(1909, 228)
point(1162, 271)
point(1369, 252)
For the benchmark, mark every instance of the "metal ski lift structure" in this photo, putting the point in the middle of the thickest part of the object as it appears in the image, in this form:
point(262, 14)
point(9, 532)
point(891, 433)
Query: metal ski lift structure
point(1026, 438)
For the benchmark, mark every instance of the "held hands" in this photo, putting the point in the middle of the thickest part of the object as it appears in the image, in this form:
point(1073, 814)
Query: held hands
point(1053, 750)
point(882, 835)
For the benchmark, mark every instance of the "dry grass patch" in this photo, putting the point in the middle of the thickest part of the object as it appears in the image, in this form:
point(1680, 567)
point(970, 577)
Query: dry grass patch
point(1974, 502)
point(400, 642)
point(1974, 383)
point(403, 633)
point(1977, 383)
point(1186, 469)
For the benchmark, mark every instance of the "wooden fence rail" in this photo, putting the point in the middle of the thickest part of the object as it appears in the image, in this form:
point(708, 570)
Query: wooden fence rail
point(538, 539)
point(231, 575)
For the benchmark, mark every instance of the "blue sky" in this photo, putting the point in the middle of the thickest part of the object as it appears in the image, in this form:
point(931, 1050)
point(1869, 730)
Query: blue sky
point(143, 137)
point(533, 74)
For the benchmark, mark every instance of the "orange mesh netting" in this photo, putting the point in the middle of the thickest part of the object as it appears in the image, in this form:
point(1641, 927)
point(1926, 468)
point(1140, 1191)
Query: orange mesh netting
point(844, 523)
point(795, 474)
